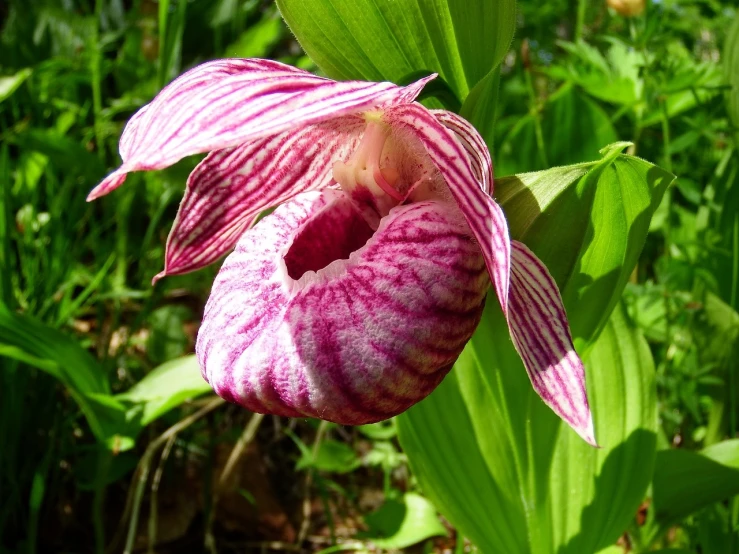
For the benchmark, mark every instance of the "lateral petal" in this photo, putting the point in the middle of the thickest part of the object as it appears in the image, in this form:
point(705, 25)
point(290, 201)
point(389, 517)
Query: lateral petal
point(230, 187)
point(452, 159)
point(225, 103)
point(474, 145)
point(541, 334)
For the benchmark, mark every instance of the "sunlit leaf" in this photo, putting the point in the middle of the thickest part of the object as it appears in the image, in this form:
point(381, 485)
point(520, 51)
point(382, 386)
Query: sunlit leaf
point(376, 40)
point(404, 522)
point(587, 223)
point(502, 469)
point(9, 84)
point(332, 456)
point(165, 388)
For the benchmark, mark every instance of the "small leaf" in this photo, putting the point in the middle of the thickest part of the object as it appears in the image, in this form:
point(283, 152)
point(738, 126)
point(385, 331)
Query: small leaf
point(258, 39)
point(684, 481)
point(402, 523)
point(9, 84)
point(383, 430)
point(332, 456)
point(165, 388)
point(168, 339)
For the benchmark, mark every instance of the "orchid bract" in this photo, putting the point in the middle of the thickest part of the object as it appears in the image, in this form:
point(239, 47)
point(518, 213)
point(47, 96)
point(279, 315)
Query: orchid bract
point(354, 298)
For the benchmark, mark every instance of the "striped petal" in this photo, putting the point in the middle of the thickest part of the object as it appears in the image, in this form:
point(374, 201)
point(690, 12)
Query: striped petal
point(483, 215)
point(304, 320)
point(474, 145)
point(532, 304)
point(230, 187)
point(539, 329)
point(225, 103)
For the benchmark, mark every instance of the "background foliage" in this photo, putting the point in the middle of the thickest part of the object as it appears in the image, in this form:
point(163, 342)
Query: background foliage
point(109, 437)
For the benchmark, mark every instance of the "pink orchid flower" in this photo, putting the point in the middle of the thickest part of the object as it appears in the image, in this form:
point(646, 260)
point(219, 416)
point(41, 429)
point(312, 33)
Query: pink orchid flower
point(354, 298)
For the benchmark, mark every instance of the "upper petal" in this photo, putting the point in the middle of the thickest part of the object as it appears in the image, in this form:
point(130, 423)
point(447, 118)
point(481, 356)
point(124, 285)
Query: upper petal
point(230, 187)
point(474, 145)
point(224, 103)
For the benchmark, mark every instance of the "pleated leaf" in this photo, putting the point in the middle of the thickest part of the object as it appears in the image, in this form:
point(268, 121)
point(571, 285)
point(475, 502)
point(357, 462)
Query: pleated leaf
point(595, 493)
point(587, 223)
point(505, 472)
point(377, 40)
point(485, 430)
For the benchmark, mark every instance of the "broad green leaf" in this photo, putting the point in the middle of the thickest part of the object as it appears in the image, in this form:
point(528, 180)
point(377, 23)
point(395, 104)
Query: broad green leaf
point(165, 388)
point(731, 70)
point(377, 40)
point(502, 469)
point(587, 223)
point(442, 446)
point(591, 512)
point(685, 482)
point(38, 345)
point(480, 105)
point(402, 523)
point(573, 129)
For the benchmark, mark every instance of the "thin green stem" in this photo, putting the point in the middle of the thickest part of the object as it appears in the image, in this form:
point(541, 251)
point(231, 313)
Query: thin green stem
point(535, 112)
point(163, 42)
point(136, 493)
point(96, 58)
point(582, 6)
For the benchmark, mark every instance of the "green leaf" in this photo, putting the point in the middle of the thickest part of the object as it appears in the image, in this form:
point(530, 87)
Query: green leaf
point(587, 223)
point(9, 84)
point(383, 430)
point(31, 342)
point(480, 105)
point(592, 512)
point(258, 39)
point(402, 523)
point(503, 469)
point(165, 388)
point(332, 456)
point(376, 40)
point(685, 482)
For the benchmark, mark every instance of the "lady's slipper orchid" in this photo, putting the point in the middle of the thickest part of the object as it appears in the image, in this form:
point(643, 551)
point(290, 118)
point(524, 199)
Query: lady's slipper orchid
point(355, 297)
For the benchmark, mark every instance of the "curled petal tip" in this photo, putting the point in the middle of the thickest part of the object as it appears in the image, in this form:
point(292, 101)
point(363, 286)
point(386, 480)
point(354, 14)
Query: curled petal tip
point(109, 184)
point(158, 276)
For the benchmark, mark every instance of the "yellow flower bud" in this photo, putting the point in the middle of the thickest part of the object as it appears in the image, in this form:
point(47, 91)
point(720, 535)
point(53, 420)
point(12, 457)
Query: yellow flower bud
point(627, 8)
